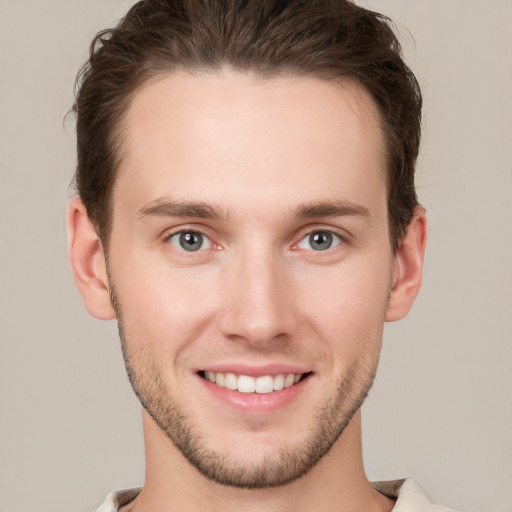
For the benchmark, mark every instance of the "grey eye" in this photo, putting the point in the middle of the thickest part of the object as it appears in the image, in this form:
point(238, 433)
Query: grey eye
point(189, 241)
point(320, 241)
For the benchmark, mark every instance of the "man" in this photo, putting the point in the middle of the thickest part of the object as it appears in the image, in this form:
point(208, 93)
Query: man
point(247, 213)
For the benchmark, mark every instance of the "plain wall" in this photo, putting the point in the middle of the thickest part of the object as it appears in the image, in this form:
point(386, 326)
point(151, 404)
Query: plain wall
point(441, 408)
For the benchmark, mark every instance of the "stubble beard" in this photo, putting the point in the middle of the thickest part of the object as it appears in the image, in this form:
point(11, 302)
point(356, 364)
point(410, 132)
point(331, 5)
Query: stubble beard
point(286, 465)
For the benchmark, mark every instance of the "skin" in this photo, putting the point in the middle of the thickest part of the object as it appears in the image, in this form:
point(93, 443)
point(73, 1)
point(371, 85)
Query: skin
point(255, 166)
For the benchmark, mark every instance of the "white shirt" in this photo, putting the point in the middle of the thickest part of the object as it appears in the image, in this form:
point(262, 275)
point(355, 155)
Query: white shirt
point(407, 493)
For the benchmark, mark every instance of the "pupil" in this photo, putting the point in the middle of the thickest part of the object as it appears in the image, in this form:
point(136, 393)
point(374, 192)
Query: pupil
point(191, 241)
point(320, 241)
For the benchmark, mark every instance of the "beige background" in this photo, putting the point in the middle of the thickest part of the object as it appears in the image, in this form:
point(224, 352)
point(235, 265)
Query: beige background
point(441, 410)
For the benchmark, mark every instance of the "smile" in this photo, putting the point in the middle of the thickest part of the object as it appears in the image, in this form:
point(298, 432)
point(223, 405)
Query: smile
point(247, 384)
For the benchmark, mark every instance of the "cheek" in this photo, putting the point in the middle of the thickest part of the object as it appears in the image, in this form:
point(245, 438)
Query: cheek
point(162, 306)
point(346, 306)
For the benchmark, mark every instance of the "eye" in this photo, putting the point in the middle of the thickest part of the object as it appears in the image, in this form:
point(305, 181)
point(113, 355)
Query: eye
point(320, 241)
point(190, 241)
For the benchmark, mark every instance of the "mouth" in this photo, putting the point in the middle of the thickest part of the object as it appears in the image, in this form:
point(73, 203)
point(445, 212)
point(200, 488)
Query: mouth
point(264, 384)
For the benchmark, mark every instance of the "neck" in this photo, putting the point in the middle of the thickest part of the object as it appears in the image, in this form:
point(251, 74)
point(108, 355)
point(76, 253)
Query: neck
point(337, 482)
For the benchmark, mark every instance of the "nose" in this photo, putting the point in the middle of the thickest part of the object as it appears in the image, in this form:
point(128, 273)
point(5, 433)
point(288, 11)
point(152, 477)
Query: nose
point(258, 300)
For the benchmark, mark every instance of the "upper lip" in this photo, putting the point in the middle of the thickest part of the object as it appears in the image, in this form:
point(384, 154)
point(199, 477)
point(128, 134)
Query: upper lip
point(254, 371)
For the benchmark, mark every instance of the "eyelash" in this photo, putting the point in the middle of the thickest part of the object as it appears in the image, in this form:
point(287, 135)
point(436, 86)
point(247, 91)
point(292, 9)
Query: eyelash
point(177, 239)
point(332, 237)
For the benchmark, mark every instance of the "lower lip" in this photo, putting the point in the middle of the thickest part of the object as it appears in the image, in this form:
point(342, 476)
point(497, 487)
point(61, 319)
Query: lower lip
point(256, 403)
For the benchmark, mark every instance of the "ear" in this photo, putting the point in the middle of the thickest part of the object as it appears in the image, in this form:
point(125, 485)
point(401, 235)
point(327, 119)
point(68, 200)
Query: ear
point(408, 267)
point(88, 262)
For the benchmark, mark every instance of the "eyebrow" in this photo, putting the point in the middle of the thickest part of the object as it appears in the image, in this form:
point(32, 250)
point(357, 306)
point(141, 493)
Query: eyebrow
point(202, 210)
point(172, 208)
point(333, 208)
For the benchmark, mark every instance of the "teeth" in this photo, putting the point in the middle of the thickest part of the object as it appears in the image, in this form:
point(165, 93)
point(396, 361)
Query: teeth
point(289, 380)
point(247, 384)
point(220, 380)
point(278, 382)
point(231, 381)
point(264, 384)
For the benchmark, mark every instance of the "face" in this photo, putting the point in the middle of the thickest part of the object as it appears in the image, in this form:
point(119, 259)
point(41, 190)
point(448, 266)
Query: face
point(251, 266)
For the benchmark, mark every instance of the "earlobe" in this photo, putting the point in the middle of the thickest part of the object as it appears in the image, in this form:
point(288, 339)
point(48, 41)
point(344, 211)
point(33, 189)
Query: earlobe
point(88, 262)
point(408, 267)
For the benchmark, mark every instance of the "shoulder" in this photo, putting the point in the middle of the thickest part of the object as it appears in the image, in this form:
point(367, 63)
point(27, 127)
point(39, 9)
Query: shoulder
point(409, 496)
point(117, 499)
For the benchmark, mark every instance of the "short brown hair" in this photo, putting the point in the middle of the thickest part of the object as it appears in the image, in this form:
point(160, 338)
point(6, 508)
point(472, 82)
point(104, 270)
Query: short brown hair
point(327, 39)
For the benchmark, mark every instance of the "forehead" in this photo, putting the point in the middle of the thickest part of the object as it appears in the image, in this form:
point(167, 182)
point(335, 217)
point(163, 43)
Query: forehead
point(284, 139)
